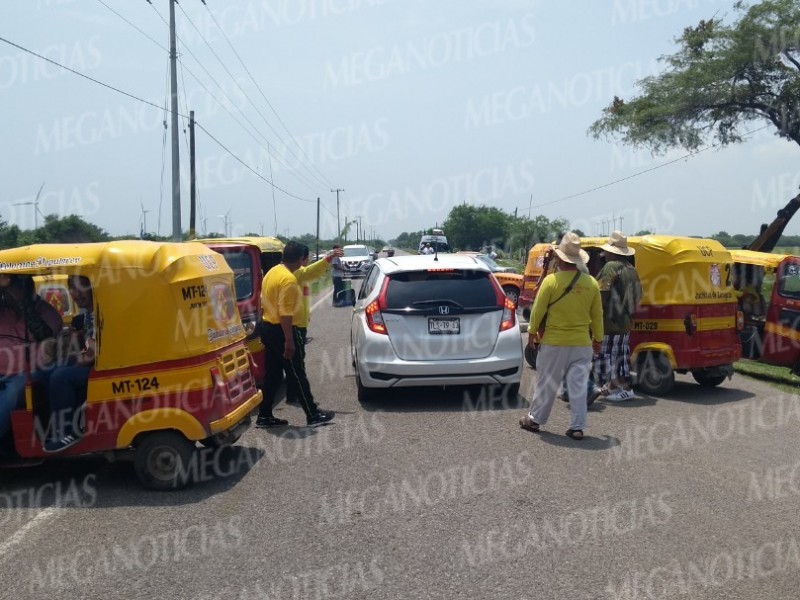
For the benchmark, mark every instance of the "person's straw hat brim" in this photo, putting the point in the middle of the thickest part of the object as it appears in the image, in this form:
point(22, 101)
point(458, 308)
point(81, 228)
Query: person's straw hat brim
point(618, 244)
point(569, 249)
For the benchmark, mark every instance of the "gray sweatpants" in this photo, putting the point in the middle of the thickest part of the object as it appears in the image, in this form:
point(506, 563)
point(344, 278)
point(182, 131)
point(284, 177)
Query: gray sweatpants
point(553, 364)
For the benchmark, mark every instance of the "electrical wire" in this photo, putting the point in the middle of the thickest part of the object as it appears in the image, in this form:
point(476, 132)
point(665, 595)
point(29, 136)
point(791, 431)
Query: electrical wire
point(143, 101)
point(221, 62)
point(258, 87)
point(616, 181)
point(299, 176)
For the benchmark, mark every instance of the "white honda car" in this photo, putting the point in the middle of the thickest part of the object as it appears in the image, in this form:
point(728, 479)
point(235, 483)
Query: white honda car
point(433, 321)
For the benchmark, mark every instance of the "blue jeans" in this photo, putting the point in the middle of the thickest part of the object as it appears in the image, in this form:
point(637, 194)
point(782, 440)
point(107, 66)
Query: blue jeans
point(67, 394)
point(12, 395)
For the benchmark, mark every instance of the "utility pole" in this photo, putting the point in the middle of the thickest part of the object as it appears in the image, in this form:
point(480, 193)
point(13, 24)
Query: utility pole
point(177, 234)
point(192, 178)
point(317, 227)
point(338, 222)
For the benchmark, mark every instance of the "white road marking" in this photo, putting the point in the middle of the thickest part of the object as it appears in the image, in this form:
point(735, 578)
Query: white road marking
point(322, 299)
point(41, 517)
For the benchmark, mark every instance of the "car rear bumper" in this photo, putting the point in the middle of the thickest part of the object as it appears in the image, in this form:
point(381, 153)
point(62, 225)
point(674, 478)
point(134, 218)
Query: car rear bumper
point(401, 373)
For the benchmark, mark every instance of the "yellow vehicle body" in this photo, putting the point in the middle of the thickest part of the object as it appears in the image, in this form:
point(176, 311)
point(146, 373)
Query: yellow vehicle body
point(687, 320)
point(170, 346)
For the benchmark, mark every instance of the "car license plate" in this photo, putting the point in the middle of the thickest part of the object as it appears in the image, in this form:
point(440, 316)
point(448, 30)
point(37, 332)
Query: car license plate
point(438, 325)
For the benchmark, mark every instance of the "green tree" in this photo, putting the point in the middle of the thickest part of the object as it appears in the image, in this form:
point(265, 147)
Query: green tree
point(722, 78)
point(472, 227)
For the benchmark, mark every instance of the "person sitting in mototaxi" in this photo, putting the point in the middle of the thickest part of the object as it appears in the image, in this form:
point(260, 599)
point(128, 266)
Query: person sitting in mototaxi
point(29, 325)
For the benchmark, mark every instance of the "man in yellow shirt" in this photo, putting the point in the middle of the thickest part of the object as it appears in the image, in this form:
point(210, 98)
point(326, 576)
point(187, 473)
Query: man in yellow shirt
point(281, 299)
point(571, 301)
point(302, 316)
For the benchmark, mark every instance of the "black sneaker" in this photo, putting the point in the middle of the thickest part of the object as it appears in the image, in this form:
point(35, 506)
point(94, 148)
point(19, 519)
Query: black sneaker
point(267, 422)
point(68, 441)
point(319, 418)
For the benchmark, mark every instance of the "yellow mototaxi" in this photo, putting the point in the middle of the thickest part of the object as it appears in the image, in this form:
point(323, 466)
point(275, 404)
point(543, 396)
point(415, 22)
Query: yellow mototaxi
point(250, 258)
point(533, 274)
point(768, 290)
point(688, 319)
point(171, 367)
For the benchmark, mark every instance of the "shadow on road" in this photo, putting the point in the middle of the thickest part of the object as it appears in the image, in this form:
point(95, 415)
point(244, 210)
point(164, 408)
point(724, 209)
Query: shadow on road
point(94, 482)
point(587, 443)
point(704, 396)
point(451, 399)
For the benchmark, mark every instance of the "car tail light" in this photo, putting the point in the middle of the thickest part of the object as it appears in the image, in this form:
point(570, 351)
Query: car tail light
point(509, 315)
point(375, 320)
point(739, 320)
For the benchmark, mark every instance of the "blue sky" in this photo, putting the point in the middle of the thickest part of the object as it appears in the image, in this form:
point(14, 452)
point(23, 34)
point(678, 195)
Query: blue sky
point(411, 107)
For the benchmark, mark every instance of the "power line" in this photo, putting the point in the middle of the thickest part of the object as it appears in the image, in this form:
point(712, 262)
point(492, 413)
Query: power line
point(258, 87)
point(221, 62)
point(143, 101)
point(299, 176)
point(605, 185)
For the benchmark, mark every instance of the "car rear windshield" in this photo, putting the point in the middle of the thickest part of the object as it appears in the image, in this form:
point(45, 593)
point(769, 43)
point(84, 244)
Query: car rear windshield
point(355, 252)
point(469, 288)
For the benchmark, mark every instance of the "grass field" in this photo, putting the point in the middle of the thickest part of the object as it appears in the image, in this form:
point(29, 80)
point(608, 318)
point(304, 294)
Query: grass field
point(778, 377)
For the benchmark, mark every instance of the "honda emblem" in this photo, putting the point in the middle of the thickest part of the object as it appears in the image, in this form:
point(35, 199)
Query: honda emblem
point(444, 310)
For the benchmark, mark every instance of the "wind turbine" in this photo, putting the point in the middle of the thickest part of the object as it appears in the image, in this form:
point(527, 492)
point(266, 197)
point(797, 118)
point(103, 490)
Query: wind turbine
point(35, 204)
point(226, 220)
point(144, 221)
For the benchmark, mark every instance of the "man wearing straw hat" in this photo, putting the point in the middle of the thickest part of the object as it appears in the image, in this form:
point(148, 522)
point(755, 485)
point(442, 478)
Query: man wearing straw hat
point(570, 299)
point(621, 293)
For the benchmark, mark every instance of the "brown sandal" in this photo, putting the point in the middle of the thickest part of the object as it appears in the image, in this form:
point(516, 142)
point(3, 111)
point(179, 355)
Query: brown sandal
point(575, 434)
point(527, 423)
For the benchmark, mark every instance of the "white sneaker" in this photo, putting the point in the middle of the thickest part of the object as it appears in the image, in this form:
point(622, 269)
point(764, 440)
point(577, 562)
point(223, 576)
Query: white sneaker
point(620, 396)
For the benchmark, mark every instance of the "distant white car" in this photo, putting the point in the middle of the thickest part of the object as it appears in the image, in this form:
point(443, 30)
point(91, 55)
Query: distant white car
point(425, 322)
point(357, 260)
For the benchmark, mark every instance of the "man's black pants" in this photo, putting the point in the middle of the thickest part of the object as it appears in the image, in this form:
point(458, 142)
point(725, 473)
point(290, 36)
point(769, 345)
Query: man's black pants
point(275, 366)
point(338, 286)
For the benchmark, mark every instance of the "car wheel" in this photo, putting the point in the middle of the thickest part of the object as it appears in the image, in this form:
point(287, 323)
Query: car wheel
point(365, 394)
point(512, 293)
point(654, 375)
point(707, 379)
point(162, 460)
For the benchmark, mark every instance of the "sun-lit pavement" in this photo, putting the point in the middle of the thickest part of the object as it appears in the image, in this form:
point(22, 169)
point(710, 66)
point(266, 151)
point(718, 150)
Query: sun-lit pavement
point(432, 494)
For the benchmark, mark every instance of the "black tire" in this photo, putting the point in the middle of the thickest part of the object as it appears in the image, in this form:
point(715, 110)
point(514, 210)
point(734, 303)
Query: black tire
point(654, 375)
point(531, 352)
point(707, 379)
point(163, 459)
point(512, 293)
point(511, 391)
point(365, 394)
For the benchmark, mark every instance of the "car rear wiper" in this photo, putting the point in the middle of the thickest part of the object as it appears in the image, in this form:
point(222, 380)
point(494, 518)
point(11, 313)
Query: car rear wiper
point(439, 301)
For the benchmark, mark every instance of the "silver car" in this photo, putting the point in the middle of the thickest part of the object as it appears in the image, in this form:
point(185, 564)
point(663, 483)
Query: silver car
point(419, 321)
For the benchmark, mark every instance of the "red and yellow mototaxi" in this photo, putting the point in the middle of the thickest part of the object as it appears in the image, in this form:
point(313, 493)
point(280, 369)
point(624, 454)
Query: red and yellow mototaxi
point(688, 320)
point(250, 258)
point(171, 367)
point(768, 288)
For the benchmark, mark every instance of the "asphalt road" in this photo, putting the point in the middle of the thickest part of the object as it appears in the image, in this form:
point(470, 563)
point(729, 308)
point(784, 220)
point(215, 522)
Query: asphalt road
point(434, 494)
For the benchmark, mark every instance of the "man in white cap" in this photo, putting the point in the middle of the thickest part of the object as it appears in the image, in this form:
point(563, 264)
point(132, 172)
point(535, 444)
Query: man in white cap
point(571, 301)
point(621, 292)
